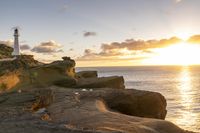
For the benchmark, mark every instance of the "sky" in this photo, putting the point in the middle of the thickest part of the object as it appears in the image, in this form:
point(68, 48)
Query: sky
point(99, 32)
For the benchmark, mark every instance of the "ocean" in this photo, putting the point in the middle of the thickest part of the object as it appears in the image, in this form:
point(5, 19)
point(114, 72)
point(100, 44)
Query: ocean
point(179, 84)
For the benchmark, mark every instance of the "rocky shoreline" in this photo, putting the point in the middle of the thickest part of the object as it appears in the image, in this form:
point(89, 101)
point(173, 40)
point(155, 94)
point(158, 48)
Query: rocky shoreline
point(45, 98)
point(56, 109)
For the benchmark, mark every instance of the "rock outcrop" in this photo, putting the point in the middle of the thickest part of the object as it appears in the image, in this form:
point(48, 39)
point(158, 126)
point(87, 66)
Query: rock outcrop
point(87, 74)
point(19, 62)
point(5, 51)
point(26, 71)
point(31, 101)
point(116, 82)
point(54, 109)
point(29, 72)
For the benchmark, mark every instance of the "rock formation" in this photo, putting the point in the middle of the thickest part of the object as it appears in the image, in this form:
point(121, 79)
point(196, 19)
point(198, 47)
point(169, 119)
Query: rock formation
point(25, 71)
point(19, 62)
point(116, 82)
point(44, 98)
point(87, 74)
point(55, 109)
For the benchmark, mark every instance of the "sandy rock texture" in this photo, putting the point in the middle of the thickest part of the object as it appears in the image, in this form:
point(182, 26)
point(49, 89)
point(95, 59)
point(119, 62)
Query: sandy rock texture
point(55, 109)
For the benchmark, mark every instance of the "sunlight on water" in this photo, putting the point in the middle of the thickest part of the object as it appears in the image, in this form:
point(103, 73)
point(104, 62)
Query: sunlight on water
point(186, 116)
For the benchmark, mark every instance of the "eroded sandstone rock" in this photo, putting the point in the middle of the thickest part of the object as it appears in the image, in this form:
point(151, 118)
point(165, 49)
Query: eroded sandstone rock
point(25, 71)
point(80, 111)
point(116, 82)
point(87, 74)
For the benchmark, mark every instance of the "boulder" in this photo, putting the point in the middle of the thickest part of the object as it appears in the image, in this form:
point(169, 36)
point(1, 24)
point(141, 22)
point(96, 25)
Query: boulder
point(60, 110)
point(116, 82)
point(137, 103)
point(87, 74)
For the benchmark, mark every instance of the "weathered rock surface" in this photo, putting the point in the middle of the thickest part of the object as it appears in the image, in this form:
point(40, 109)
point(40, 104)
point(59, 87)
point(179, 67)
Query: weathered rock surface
point(21, 62)
point(87, 74)
point(102, 82)
point(54, 109)
point(25, 71)
point(137, 103)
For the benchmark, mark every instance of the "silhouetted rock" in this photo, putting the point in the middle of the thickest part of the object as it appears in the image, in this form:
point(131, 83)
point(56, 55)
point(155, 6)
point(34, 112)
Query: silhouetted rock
point(66, 58)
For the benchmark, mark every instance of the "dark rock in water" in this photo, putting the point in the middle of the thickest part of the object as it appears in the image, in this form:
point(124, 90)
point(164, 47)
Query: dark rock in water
point(137, 103)
point(77, 111)
point(102, 82)
point(87, 74)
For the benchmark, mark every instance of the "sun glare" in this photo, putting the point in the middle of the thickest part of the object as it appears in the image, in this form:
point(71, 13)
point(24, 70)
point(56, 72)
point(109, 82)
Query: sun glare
point(183, 35)
point(178, 54)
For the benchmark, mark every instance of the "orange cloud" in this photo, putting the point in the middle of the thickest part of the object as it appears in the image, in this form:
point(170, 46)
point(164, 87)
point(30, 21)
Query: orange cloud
point(194, 39)
point(128, 50)
point(141, 44)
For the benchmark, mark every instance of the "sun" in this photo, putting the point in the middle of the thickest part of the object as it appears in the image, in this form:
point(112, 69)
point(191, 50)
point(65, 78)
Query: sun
point(178, 54)
point(183, 35)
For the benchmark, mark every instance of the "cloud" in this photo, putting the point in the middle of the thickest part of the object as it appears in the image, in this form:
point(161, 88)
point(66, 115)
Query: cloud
point(89, 33)
point(132, 44)
point(7, 42)
point(194, 39)
point(178, 1)
point(90, 55)
point(49, 47)
point(25, 47)
point(71, 49)
point(128, 50)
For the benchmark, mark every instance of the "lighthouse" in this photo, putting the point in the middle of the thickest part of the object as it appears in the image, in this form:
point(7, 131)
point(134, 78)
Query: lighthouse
point(16, 51)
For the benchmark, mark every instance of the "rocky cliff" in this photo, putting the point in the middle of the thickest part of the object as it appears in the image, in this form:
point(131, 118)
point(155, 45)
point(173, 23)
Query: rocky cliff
point(44, 98)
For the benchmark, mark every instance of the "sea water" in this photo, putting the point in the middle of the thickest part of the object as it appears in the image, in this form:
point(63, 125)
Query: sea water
point(179, 84)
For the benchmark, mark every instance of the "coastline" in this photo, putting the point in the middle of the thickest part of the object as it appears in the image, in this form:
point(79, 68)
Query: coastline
point(94, 105)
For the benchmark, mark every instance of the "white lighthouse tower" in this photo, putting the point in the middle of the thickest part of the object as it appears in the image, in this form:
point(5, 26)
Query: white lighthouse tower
point(16, 51)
